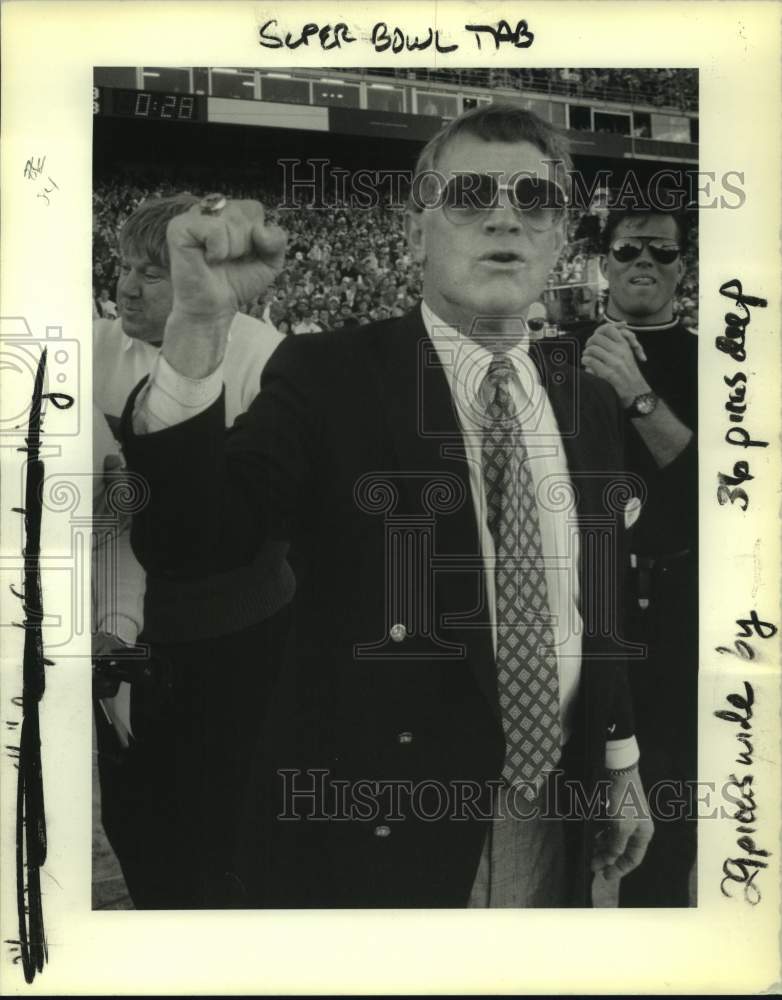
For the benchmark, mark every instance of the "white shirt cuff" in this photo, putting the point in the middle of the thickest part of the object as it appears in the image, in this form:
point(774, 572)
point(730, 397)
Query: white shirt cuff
point(622, 753)
point(121, 625)
point(171, 398)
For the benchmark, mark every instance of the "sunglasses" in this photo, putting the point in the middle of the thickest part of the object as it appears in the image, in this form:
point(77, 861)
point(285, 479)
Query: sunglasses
point(628, 248)
point(467, 196)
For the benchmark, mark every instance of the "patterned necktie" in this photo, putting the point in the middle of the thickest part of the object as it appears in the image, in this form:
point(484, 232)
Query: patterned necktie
point(527, 676)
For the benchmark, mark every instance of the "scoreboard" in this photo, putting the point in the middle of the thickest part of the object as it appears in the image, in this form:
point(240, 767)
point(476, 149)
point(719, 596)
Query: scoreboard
point(148, 105)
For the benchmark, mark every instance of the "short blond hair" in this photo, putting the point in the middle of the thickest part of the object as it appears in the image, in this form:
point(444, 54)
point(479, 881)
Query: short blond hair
point(144, 233)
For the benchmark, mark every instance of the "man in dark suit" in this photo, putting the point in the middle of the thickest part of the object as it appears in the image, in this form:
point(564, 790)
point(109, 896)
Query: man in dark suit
point(454, 691)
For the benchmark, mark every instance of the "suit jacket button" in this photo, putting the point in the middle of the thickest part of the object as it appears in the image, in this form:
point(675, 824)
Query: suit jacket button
point(405, 737)
point(382, 831)
point(398, 632)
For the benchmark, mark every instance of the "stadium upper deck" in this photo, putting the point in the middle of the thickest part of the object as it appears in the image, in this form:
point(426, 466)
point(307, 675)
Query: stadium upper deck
point(643, 113)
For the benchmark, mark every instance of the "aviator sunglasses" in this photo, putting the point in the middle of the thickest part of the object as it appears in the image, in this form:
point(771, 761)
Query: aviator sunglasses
point(465, 197)
point(627, 248)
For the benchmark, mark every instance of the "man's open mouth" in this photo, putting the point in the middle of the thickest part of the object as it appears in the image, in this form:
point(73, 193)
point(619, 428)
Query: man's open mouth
point(504, 257)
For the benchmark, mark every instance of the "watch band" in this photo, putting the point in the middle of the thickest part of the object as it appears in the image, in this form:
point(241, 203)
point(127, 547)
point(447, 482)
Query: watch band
point(643, 404)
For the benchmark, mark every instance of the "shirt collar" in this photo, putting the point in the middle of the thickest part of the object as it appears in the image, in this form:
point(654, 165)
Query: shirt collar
point(127, 342)
point(465, 362)
point(639, 327)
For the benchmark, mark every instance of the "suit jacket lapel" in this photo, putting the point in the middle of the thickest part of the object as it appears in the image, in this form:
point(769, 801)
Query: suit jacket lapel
point(598, 489)
point(434, 482)
point(580, 439)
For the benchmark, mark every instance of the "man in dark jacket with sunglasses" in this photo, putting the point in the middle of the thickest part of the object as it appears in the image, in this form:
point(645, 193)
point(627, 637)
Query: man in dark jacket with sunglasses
point(642, 349)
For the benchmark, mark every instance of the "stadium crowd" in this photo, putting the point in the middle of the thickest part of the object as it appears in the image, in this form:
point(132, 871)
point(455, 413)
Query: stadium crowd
point(345, 265)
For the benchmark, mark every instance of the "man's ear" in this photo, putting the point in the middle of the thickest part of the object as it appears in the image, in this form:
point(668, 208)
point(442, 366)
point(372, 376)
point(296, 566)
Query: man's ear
point(681, 268)
point(414, 231)
point(603, 269)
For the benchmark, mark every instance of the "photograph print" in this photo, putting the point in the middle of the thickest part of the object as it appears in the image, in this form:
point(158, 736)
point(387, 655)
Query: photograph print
point(398, 369)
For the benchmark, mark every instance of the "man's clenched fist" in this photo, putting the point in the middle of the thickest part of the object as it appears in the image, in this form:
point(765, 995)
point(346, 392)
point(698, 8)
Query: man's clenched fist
point(218, 262)
point(611, 354)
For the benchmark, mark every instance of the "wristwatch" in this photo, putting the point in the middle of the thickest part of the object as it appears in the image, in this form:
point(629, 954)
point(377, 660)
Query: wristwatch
point(643, 405)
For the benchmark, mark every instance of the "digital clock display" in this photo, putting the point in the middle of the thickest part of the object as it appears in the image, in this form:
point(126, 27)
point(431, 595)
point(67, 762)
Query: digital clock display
point(149, 104)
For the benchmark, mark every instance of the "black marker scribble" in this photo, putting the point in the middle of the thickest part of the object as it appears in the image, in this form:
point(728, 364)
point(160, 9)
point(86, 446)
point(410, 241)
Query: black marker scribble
point(520, 37)
point(30, 816)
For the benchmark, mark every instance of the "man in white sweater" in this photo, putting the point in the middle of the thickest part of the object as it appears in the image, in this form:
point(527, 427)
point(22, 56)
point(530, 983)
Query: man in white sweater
point(169, 786)
point(125, 349)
